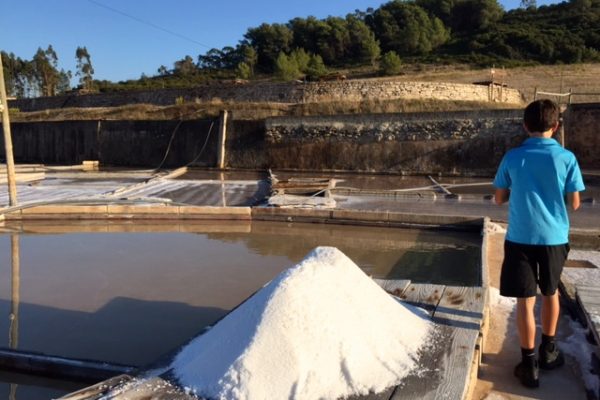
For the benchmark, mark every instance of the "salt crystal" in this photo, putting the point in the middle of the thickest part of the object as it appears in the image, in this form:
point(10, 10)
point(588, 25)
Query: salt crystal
point(322, 329)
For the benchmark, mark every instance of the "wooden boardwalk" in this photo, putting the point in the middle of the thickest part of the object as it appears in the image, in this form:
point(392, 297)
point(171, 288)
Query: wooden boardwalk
point(445, 369)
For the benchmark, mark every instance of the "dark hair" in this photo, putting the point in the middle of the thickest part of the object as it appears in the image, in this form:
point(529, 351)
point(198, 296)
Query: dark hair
point(540, 115)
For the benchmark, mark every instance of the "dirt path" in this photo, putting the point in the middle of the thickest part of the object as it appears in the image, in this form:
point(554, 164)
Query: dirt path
point(501, 352)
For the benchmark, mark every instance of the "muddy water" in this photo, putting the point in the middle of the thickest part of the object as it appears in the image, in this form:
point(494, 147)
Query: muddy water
point(130, 293)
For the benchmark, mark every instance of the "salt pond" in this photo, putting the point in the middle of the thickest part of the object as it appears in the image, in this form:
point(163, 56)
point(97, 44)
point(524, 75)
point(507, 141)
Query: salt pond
point(130, 293)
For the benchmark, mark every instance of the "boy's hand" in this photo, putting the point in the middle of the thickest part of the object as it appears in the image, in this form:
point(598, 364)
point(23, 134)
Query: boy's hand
point(502, 196)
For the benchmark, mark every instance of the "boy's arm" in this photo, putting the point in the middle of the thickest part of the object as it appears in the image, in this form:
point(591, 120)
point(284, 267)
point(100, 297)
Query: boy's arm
point(502, 196)
point(574, 200)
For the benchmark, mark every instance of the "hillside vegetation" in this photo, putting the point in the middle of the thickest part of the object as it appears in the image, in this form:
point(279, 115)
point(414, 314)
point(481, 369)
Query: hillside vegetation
point(580, 78)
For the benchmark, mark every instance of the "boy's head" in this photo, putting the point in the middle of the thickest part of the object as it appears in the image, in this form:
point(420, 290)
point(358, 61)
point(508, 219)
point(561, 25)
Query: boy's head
point(541, 116)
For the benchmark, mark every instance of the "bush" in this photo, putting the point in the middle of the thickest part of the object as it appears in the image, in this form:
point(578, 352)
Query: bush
point(243, 71)
point(391, 63)
point(286, 68)
point(316, 67)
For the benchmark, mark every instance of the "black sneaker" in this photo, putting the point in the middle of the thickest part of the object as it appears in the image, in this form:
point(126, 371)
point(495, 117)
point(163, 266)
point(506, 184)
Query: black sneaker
point(528, 374)
point(550, 356)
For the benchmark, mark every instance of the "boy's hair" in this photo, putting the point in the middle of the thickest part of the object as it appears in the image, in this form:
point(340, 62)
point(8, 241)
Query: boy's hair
point(541, 115)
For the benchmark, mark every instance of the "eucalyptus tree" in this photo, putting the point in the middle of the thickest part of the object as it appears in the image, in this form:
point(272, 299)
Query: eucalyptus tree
point(85, 70)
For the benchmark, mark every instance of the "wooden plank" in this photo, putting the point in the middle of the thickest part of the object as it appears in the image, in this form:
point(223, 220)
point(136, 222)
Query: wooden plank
point(393, 286)
point(461, 307)
point(426, 296)
point(445, 367)
point(385, 395)
point(60, 367)
point(588, 298)
point(460, 312)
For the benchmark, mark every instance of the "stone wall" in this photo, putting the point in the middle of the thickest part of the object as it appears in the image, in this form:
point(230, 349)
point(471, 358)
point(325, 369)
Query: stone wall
point(350, 90)
point(457, 143)
point(469, 143)
point(582, 133)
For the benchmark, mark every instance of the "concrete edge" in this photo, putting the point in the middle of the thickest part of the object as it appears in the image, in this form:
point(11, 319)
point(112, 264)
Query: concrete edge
point(485, 283)
point(119, 211)
point(585, 239)
point(177, 212)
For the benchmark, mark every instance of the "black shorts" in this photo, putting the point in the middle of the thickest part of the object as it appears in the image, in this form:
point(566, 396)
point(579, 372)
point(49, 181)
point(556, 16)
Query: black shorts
point(526, 266)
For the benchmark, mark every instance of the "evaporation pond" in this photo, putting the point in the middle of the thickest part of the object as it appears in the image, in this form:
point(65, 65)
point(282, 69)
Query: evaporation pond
point(131, 293)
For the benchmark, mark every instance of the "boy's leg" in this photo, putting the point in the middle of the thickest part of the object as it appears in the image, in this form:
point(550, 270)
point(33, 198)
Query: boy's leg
point(527, 369)
point(551, 262)
point(526, 322)
point(550, 314)
point(518, 279)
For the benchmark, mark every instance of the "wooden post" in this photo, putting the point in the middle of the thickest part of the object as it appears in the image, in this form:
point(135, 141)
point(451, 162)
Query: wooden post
point(10, 161)
point(13, 337)
point(222, 138)
point(223, 195)
point(561, 129)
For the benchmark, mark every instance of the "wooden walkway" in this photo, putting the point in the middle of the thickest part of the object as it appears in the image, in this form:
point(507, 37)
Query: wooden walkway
point(445, 369)
point(588, 298)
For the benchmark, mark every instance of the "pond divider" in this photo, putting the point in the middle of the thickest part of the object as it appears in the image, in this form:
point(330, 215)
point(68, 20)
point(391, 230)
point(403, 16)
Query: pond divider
point(180, 212)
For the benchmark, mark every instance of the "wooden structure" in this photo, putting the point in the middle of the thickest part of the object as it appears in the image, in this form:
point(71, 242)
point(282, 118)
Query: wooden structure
point(445, 371)
point(588, 298)
point(301, 192)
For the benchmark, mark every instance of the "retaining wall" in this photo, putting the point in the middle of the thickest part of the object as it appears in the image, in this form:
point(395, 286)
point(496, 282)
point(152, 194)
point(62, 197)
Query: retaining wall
point(455, 143)
point(351, 90)
point(582, 133)
point(469, 143)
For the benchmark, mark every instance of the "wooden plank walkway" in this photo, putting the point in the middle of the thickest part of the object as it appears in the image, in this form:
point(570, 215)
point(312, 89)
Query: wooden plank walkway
point(445, 366)
point(588, 298)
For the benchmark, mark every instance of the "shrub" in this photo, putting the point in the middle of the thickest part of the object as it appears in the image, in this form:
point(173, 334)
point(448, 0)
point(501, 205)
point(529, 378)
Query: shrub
point(391, 63)
point(316, 67)
point(286, 68)
point(243, 71)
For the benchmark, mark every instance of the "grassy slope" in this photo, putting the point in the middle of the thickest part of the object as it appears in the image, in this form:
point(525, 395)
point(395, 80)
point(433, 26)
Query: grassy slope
point(578, 77)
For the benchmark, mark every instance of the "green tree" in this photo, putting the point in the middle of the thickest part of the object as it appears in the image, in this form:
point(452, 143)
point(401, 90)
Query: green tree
point(269, 40)
point(250, 57)
point(162, 71)
point(185, 66)
point(363, 46)
point(391, 64)
point(438, 8)
point(301, 58)
point(407, 29)
point(316, 67)
point(85, 70)
point(64, 81)
point(243, 71)
point(286, 68)
point(18, 75)
point(469, 16)
point(45, 71)
point(528, 4)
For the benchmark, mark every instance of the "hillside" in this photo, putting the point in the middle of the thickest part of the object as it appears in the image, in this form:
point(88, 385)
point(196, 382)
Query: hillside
point(577, 77)
point(580, 78)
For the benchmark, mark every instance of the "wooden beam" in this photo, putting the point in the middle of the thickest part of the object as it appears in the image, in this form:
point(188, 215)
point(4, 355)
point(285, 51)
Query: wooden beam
point(8, 148)
point(222, 139)
point(60, 367)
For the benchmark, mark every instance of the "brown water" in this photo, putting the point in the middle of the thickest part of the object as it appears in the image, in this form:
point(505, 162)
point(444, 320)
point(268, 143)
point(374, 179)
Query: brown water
point(130, 293)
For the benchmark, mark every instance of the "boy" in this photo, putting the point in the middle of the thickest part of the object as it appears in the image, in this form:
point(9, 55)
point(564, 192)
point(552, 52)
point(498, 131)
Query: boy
point(537, 176)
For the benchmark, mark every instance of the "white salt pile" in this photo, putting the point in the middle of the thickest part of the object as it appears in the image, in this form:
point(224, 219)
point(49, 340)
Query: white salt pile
point(322, 329)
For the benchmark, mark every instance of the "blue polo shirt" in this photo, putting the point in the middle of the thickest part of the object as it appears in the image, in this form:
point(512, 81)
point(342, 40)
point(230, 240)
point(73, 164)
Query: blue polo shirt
point(538, 174)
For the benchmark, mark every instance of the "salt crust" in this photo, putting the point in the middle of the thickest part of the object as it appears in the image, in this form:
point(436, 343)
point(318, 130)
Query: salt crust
point(320, 330)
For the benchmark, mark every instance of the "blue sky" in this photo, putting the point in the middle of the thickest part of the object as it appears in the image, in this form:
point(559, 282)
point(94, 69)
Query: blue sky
point(123, 48)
